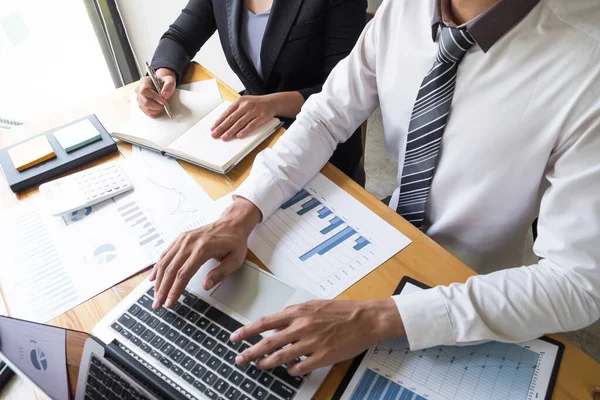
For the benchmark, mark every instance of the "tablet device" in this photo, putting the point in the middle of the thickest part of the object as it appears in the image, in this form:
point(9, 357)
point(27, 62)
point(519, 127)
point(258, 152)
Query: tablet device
point(389, 370)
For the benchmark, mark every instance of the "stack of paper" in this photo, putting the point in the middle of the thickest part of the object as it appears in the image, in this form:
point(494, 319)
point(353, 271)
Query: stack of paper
point(77, 135)
point(31, 153)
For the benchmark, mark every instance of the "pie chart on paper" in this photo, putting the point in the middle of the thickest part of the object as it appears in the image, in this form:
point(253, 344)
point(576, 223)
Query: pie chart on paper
point(38, 359)
point(105, 253)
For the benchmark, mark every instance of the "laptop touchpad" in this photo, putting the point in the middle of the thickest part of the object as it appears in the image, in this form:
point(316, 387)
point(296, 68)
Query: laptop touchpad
point(252, 293)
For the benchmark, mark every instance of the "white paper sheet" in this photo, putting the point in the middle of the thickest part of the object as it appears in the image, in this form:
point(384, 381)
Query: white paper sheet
point(324, 240)
point(490, 370)
point(206, 86)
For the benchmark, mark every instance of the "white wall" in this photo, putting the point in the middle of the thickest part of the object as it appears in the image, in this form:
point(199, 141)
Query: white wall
point(147, 20)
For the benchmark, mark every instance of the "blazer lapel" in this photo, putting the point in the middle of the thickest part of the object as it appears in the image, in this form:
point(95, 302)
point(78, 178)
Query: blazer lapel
point(234, 14)
point(283, 15)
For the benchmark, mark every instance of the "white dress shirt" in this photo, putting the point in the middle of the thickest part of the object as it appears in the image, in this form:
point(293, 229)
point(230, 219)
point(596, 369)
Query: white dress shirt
point(522, 140)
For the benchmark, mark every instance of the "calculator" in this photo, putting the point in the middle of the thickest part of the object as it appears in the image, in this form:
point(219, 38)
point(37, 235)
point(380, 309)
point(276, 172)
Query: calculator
point(85, 188)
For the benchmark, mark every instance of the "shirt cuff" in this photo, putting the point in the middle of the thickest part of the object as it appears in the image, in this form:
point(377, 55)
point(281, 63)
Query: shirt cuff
point(425, 319)
point(263, 191)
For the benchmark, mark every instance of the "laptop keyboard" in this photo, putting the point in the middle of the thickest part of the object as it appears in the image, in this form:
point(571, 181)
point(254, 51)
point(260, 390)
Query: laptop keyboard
point(104, 383)
point(192, 340)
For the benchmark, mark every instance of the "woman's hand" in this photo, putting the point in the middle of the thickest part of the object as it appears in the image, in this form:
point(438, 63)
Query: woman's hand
point(245, 115)
point(150, 102)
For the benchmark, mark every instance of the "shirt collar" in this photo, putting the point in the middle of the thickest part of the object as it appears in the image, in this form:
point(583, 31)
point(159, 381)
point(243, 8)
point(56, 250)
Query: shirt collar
point(492, 24)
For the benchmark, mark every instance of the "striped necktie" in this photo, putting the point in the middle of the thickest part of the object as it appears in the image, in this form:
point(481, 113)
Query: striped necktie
point(427, 124)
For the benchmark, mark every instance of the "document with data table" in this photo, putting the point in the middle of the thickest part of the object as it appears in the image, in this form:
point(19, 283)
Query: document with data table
point(324, 240)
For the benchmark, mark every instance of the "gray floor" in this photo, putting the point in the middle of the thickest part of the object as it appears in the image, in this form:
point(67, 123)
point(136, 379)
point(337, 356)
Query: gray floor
point(381, 181)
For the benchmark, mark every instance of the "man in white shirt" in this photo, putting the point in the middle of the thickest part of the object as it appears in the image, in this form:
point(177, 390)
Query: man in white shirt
point(520, 139)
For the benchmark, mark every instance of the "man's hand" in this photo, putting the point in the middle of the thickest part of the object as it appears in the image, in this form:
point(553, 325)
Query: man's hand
point(150, 102)
point(243, 116)
point(224, 240)
point(326, 332)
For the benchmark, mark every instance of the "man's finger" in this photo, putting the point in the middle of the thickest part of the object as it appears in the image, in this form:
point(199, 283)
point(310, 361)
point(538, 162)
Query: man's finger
point(149, 93)
point(269, 344)
point(309, 364)
point(170, 273)
point(160, 268)
point(263, 324)
point(184, 274)
point(149, 105)
point(285, 355)
point(168, 86)
point(222, 118)
point(225, 268)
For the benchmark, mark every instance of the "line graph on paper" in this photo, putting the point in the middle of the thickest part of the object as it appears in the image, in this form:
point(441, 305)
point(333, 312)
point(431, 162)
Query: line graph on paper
point(177, 201)
point(490, 370)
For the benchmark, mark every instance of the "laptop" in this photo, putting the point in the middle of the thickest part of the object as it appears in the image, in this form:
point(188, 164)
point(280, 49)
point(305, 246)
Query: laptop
point(179, 353)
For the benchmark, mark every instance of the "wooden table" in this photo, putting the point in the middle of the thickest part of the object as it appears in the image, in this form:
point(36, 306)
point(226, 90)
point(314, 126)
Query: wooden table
point(423, 259)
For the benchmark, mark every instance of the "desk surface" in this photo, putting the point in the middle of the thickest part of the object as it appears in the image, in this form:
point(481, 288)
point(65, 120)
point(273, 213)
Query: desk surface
point(423, 259)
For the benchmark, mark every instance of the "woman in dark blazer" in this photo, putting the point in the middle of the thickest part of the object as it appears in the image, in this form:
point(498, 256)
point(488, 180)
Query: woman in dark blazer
point(282, 51)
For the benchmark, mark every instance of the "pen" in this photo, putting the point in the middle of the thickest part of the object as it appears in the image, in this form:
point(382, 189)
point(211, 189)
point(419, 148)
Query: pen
point(154, 79)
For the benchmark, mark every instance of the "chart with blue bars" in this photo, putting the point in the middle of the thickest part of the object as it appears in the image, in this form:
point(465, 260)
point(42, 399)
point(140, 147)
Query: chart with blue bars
point(490, 370)
point(373, 386)
point(149, 238)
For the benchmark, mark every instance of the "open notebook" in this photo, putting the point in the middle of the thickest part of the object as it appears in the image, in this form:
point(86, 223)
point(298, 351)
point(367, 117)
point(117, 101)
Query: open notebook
point(187, 135)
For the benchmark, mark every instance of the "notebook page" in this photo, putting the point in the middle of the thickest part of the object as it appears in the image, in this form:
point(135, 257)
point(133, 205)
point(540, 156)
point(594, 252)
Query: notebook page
point(187, 109)
point(198, 144)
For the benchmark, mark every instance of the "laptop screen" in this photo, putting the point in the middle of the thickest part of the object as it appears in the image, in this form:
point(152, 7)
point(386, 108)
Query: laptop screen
point(47, 355)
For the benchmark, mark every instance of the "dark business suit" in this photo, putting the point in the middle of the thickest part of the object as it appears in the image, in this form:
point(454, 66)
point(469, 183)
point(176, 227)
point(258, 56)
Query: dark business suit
point(303, 41)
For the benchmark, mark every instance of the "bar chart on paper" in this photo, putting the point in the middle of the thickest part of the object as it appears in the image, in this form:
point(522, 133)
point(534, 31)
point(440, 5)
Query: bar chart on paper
point(324, 240)
point(148, 235)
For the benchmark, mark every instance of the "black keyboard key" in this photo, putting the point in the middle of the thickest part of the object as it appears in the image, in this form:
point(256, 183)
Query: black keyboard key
point(138, 328)
point(282, 373)
point(254, 339)
point(169, 317)
point(126, 334)
point(273, 397)
point(135, 340)
point(234, 346)
point(211, 395)
point(157, 342)
point(183, 311)
point(117, 388)
point(177, 356)
point(182, 341)
point(203, 356)
point(230, 357)
point(146, 348)
point(166, 362)
point(192, 348)
point(282, 390)
point(127, 320)
point(153, 322)
point(213, 329)
point(223, 319)
point(97, 372)
point(200, 306)
point(172, 335)
point(177, 369)
point(167, 349)
point(244, 397)
point(214, 363)
point(148, 335)
point(209, 343)
point(134, 309)
point(199, 386)
point(125, 396)
point(198, 371)
point(116, 327)
point(203, 323)
point(179, 323)
point(242, 368)
point(163, 328)
point(209, 378)
point(188, 363)
point(220, 350)
point(198, 336)
point(189, 300)
point(221, 386)
point(233, 394)
point(192, 317)
point(144, 316)
point(189, 330)
point(265, 379)
point(188, 378)
point(225, 370)
point(145, 302)
point(155, 354)
point(243, 347)
point(236, 378)
point(253, 372)
point(223, 336)
point(160, 312)
point(248, 386)
point(260, 393)
point(150, 292)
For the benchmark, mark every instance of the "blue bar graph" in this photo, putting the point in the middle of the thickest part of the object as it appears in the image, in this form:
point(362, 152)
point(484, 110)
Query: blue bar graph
point(334, 223)
point(324, 212)
point(373, 386)
point(301, 195)
point(309, 205)
point(329, 243)
point(360, 243)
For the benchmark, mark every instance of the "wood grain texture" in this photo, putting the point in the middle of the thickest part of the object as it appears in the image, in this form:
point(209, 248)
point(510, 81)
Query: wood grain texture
point(423, 259)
